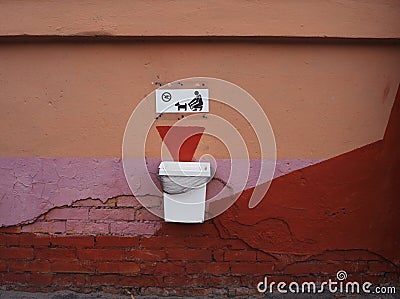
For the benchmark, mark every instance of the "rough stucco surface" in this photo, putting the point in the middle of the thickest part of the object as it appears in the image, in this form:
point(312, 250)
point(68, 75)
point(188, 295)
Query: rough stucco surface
point(321, 100)
point(350, 201)
point(30, 187)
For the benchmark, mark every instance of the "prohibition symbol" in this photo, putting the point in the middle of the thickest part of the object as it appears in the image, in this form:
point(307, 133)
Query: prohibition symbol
point(166, 97)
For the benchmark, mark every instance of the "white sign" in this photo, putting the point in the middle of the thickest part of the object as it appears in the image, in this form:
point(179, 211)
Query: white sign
point(181, 100)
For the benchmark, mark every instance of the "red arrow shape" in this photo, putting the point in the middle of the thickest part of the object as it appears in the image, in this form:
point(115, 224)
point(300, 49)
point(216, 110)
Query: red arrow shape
point(181, 142)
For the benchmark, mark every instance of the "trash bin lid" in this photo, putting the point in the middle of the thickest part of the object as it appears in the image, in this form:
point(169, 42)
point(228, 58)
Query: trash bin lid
point(173, 168)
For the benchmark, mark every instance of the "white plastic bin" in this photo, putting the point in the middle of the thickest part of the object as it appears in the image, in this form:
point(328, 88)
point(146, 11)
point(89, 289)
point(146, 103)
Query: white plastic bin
point(184, 186)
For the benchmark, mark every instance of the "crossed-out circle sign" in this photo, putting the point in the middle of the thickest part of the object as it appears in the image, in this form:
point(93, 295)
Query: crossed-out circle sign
point(166, 96)
point(236, 137)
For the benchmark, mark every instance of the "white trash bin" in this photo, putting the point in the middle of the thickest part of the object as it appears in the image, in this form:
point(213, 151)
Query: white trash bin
point(184, 189)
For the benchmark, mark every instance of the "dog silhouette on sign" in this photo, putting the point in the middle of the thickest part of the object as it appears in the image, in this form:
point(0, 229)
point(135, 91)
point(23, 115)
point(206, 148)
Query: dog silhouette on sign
point(181, 106)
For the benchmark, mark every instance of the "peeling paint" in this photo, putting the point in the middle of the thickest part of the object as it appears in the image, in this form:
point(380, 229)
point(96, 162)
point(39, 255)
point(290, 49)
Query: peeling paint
point(31, 186)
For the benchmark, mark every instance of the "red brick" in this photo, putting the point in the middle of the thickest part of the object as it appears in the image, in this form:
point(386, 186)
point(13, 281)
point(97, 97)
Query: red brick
point(112, 214)
point(141, 281)
point(213, 242)
point(3, 239)
point(45, 227)
point(14, 277)
point(63, 279)
point(252, 268)
point(202, 242)
point(392, 278)
point(83, 227)
point(112, 202)
point(311, 278)
point(118, 267)
point(354, 267)
point(16, 253)
point(116, 241)
point(11, 229)
point(99, 280)
point(145, 255)
point(3, 266)
point(189, 254)
point(222, 281)
point(261, 256)
point(73, 267)
point(183, 281)
point(235, 244)
point(218, 255)
point(170, 268)
point(10, 240)
point(100, 254)
point(29, 266)
point(305, 268)
point(380, 267)
point(55, 253)
point(41, 279)
point(209, 268)
point(127, 201)
point(359, 255)
point(331, 255)
point(162, 242)
point(374, 279)
point(27, 239)
point(134, 228)
point(72, 241)
point(144, 214)
point(240, 255)
point(193, 230)
point(82, 279)
point(253, 280)
point(148, 268)
point(67, 213)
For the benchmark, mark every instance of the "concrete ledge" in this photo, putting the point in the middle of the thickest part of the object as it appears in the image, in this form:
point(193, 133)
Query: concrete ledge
point(308, 18)
point(101, 295)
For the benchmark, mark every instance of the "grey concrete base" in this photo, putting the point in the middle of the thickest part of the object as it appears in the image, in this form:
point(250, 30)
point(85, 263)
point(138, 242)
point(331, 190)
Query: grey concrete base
point(74, 295)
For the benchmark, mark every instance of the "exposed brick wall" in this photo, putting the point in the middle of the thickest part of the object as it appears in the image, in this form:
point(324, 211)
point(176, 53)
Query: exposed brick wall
point(122, 216)
point(173, 260)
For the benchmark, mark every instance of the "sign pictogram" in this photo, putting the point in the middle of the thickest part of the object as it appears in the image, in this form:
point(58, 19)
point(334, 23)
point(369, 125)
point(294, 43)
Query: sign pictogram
point(166, 96)
point(182, 100)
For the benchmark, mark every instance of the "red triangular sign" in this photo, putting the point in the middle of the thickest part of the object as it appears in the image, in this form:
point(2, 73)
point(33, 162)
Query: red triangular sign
point(181, 142)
